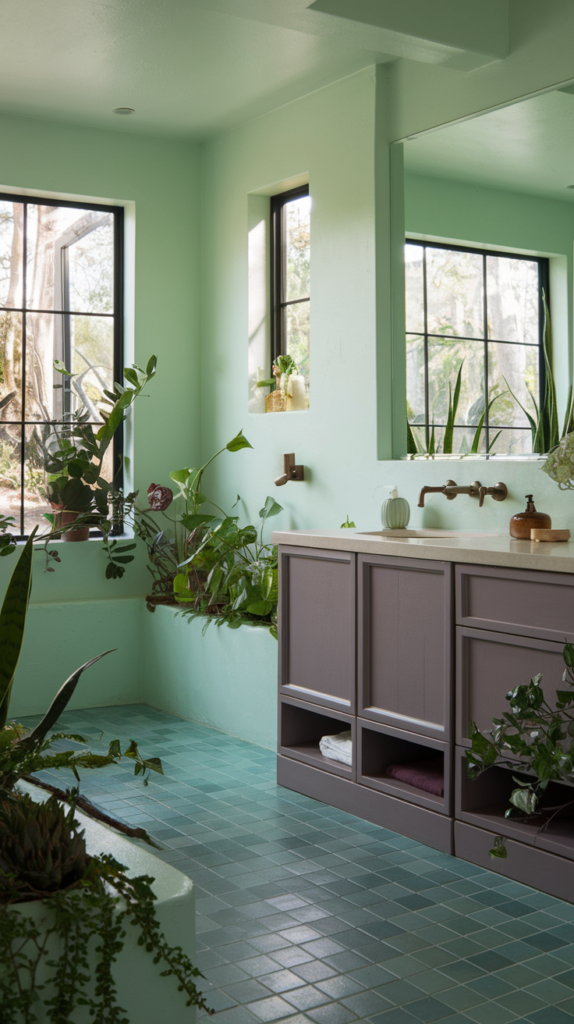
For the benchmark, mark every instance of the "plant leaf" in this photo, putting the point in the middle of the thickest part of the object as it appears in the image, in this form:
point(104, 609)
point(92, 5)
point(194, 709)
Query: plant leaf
point(13, 623)
point(237, 443)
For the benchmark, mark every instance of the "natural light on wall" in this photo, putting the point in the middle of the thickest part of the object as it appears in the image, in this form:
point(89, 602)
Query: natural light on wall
point(279, 254)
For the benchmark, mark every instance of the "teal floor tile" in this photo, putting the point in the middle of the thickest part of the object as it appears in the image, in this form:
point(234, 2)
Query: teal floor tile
point(307, 914)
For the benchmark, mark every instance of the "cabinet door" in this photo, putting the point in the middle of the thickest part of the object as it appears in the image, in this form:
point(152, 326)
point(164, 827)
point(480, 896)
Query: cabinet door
point(404, 630)
point(317, 626)
point(490, 664)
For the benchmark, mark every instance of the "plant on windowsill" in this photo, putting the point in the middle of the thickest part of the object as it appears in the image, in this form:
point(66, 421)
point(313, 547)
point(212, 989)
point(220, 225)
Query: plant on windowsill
point(416, 448)
point(278, 399)
point(72, 455)
point(87, 899)
point(533, 738)
point(206, 563)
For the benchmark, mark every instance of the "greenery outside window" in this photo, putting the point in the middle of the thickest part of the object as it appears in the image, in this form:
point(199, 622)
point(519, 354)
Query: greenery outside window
point(61, 269)
point(290, 277)
point(480, 310)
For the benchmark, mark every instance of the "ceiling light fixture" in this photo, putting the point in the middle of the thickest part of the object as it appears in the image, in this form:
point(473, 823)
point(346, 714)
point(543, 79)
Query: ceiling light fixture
point(124, 110)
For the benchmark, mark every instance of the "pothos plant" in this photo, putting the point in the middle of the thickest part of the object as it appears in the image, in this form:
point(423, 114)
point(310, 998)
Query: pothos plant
point(43, 857)
point(531, 737)
point(205, 561)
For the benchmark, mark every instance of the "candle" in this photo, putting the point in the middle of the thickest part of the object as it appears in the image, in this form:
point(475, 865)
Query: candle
point(297, 392)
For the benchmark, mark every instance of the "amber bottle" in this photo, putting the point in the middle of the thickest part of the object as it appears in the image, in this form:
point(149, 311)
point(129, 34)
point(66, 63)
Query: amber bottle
point(522, 523)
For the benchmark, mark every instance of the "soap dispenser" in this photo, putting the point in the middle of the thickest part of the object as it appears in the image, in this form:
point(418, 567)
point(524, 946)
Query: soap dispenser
point(522, 523)
point(395, 513)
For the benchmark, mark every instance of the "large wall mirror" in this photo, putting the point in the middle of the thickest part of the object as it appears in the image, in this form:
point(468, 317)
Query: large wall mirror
point(487, 241)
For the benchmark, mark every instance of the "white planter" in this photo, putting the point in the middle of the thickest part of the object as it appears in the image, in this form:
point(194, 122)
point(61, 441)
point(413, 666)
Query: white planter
point(226, 679)
point(146, 997)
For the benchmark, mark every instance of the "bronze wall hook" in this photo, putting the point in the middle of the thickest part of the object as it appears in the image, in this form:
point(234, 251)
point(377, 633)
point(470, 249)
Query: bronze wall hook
point(290, 471)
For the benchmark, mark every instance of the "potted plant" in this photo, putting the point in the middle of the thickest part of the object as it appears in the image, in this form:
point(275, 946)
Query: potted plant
point(74, 455)
point(51, 960)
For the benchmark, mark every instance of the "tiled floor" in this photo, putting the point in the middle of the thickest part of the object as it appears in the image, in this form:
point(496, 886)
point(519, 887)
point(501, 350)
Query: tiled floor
point(306, 913)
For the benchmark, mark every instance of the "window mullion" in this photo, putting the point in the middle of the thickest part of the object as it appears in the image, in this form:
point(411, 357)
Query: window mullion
point(426, 348)
point(485, 334)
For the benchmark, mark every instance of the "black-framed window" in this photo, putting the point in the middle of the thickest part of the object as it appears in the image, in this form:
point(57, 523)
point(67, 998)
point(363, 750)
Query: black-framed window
point(483, 309)
point(61, 298)
point(290, 276)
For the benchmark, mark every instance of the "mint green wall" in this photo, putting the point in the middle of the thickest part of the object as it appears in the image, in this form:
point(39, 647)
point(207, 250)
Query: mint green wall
point(75, 611)
point(329, 135)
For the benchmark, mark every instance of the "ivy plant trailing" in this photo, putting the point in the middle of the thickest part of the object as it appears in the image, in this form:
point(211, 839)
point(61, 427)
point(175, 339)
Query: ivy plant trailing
point(88, 900)
point(534, 738)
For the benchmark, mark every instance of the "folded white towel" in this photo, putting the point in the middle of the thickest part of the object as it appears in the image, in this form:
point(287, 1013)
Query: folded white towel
point(338, 747)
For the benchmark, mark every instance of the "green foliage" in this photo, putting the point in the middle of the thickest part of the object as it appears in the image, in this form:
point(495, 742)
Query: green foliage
point(93, 910)
point(41, 850)
point(205, 562)
point(12, 624)
point(415, 446)
point(72, 455)
point(532, 737)
point(348, 525)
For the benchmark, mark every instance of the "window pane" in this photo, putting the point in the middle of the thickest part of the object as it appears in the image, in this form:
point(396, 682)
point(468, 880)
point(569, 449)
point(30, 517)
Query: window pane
point(517, 365)
point(10, 435)
point(510, 442)
point(415, 379)
point(297, 335)
point(85, 344)
point(454, 293)
point(445, 358)
point(91, 267)
point(512, 292)
point(11, 253)
point(10, 366)
point(414, 289)
point(92, 359)
point(297, 250)
point(35, 502)
point(82, 238)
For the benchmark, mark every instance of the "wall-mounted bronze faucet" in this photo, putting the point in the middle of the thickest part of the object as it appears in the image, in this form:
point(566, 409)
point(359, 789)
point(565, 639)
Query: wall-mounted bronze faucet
point(475, 490)
point(290, 471)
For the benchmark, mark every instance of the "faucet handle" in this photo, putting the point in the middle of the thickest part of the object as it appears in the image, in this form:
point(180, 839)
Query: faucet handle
point(499, 492)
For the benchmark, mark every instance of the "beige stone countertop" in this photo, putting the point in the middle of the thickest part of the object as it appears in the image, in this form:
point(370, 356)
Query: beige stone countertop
point(471, 548)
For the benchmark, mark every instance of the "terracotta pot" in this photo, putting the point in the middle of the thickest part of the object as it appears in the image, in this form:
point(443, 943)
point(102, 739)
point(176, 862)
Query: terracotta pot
point(64, 519)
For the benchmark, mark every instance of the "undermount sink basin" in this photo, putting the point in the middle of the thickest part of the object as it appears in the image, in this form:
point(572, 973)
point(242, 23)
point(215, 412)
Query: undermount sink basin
point(421, 534)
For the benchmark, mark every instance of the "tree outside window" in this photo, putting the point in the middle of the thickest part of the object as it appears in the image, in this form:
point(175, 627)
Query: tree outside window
point(483, 311)
point(60, 299)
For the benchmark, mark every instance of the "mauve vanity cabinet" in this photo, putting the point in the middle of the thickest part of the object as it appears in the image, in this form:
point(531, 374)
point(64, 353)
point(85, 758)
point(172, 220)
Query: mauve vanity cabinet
point(405, 652)
point(366, 644)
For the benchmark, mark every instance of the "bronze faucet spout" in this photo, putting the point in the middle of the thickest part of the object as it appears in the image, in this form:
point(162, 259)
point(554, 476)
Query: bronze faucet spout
point(446, 489)
point(428, 490)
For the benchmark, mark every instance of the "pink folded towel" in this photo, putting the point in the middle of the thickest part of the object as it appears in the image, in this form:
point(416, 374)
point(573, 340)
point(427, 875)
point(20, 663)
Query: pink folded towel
point(427, 775)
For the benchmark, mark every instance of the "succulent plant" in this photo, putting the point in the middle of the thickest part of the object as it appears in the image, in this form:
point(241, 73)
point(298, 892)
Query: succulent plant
point(42, 849)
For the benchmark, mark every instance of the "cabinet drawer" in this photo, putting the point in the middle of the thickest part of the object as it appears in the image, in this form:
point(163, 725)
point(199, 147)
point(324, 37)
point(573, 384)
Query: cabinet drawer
point(490, 664)
point(317, 626)
point(534, 604)
point(404, 630)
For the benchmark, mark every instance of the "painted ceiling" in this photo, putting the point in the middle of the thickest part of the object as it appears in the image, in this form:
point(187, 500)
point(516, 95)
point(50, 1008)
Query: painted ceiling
point(191, 68)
